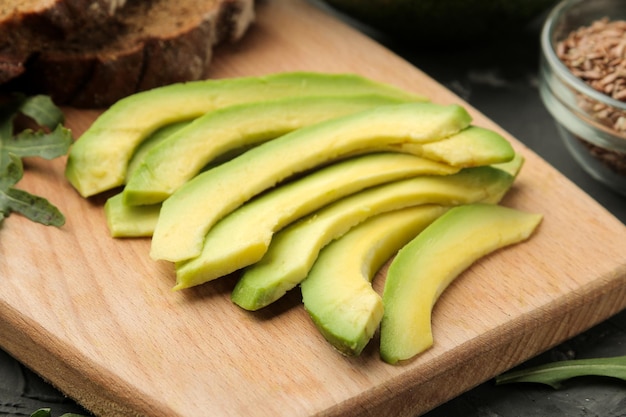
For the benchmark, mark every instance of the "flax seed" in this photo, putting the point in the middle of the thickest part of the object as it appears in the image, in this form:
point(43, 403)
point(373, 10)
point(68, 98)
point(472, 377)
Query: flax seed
point(597, 55)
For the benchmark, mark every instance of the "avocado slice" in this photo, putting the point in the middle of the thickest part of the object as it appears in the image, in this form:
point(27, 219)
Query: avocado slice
point(188, 214)
point(337, 292)
point(248, 229)
point(242, 237)
point(514, 166)
point(487, 147)
point(130, 221)
point(184, 154)
point(294, 249)
point(155, 138)
point(424, 268)
point(99, 159)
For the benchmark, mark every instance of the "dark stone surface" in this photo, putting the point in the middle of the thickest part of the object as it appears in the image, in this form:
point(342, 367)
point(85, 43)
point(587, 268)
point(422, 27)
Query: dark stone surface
point(22, 392)
point(498, 78)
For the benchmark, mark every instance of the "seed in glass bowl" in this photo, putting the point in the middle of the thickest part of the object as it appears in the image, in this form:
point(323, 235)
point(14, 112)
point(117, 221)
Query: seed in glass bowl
point(597, 55)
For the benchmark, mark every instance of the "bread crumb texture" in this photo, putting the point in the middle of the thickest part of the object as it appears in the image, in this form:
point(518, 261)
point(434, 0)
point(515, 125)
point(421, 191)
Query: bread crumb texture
point(90, 53)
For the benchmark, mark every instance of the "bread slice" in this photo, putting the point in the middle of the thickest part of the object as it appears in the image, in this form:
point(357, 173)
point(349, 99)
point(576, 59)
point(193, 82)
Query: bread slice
point(28, 25)
point(53, 18)
point(134, 46)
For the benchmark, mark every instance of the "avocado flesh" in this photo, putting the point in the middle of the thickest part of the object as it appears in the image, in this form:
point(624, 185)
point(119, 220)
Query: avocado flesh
point(98, 160)
point(474, 146)
point(184, 154)
point(514, 166)
point(417, 276)
point(154, 139)
point(242, 237)
point(248, 229)
point(130, 221)
point(124, 220)
point(337, 293)
point(188, 214)
point(294, 249)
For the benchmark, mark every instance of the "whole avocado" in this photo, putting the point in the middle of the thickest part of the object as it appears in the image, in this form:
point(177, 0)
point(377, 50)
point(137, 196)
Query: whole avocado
point(443, 21)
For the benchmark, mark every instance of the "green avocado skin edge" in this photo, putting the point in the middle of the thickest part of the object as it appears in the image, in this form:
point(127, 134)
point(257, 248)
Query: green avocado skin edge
point(98, 160)
point(294, 249)
point(203, 142)
point(417, 276)
point(242, 237)
point(187, 215)
point(337, 293)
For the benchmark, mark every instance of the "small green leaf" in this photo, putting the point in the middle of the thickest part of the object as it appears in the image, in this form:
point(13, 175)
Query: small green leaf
point(35, 208)
point(554, 374)
point(42, 110)
point(11, 171)
point(51, 141)
point(41, 144)
point(42, 412)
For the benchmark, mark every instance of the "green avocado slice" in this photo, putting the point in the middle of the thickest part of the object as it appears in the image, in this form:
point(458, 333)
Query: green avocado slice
point(188, 214)
point(124, 220)
point(337, 292)
point(99, 159)
point(248, 229)
point(184, 154)
point(152, 141)
point(418, 275)
point(294, 249)
point(242, 237)
point(474, 146)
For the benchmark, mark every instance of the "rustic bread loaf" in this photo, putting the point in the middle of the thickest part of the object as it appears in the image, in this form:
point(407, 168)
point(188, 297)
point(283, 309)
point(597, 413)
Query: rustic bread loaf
point(24, 20)
point(28, 25)
point(128, 46)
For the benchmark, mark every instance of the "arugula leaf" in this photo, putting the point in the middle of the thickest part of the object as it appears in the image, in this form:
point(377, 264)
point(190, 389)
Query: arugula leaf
point(42, 110)
point(42, 412)
point(554, 374)
point(42, 144)
point(11, 172)
point(36, 208)
point(51, 140)
point(46, 412)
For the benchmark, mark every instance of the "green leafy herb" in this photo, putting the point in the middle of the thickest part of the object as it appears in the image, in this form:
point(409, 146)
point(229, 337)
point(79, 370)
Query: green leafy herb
point(49, 141)
point(554, 374)
point(46, 412)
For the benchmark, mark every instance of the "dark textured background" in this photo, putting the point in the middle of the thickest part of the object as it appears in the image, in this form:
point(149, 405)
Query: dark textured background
point(499, 78)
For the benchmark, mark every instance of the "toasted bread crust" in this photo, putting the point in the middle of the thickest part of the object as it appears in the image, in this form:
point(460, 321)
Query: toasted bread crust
point(149, 44)
point(41, 21)
point(28, 26)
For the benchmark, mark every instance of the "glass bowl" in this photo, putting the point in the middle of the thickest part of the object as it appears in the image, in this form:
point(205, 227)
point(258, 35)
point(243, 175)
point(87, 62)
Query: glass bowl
point(591, 123)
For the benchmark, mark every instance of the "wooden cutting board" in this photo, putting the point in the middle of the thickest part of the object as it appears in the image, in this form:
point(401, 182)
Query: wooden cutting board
point(96, 316)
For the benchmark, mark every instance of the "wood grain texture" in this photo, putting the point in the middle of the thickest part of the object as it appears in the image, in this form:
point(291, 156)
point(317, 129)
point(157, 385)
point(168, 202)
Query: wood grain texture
point(97, 318)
